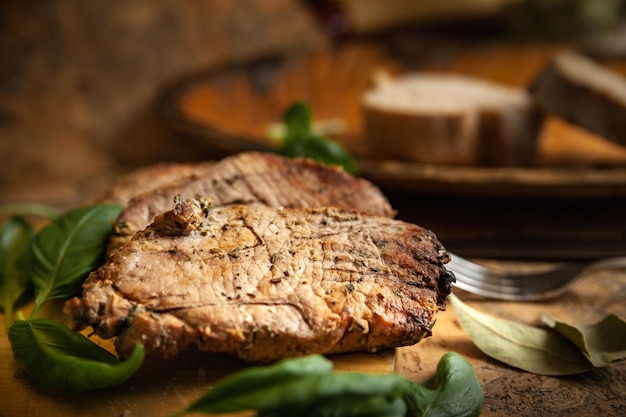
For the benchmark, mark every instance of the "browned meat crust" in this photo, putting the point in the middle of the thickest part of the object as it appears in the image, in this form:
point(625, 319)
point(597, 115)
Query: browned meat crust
point(151, 177)
point(258, 178)
point(264, 283)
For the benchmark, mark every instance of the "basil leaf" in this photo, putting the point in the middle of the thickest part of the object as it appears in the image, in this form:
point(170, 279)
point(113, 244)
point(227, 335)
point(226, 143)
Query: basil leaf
point(453, 391)
point(26, 209)
point(301, 140)
point(251, 387)
point(300, 393)
point(66, 250)
point(14, 236)
point(298, 119)
point(58, 357)
point(323, 394)
point(371, 406)
point(307, 387)
point(602, 343)
point(525, 347)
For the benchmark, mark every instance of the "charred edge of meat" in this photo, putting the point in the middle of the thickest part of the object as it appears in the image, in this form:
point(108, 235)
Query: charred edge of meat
point(446, 278)
point(444, 284)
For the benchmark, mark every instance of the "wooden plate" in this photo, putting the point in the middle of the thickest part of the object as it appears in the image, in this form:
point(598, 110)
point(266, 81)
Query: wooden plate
point(231, 110)
point(496, 181)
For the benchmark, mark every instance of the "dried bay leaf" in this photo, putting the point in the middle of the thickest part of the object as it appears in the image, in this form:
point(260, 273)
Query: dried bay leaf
point(532, 349)
point(602, 343)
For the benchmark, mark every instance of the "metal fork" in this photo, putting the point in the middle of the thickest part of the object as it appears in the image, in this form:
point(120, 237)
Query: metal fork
point(524, 286)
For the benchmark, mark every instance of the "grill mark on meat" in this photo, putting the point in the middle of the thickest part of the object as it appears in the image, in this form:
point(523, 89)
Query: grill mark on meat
point(239, 274)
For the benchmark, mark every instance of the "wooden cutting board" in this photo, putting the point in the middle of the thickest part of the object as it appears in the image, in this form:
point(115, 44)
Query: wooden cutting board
point(157, 389)
point(160, 388)
point(509, 391)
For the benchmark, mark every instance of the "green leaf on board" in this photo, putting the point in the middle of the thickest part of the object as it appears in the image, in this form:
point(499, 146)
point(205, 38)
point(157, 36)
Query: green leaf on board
point(14, 237)
point(30, 209)
point(259, 386)
point(602, 343)
point(65, 251)
point(532, 349)
point(60, 358)
point(453, 391)
point(301, 140)
point(308, 387)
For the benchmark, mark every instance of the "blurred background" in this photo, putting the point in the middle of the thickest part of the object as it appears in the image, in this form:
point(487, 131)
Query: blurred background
point(84, 84)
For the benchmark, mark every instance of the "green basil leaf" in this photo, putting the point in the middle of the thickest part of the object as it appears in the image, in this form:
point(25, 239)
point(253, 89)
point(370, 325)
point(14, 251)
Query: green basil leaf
point(301, 140)
point(540, 351)
point(14, 236)
point(602, 343)
point(66, 250)
point(323, 394)
point(370, 406)
point(58, 357)
point(453, 391)
point(253, 387)
point(298, 119)
point(30, 209)
point(305, 394)
point(307, 387)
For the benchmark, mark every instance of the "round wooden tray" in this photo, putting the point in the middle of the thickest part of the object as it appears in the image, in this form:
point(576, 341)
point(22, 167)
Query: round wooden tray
point(544, 182)
point(231, 110)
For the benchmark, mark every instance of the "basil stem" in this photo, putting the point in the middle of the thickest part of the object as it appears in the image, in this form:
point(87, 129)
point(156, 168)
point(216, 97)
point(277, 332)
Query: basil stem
point(301, 140)
point(14, 236)
point(295, 387)
point(58, 357)
point(66, 250)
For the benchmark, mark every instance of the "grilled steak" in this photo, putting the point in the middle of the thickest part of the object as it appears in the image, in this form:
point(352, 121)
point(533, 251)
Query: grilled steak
point(257, 178)
point(263, 283)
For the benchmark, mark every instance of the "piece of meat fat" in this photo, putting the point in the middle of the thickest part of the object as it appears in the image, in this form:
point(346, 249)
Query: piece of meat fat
point(265, 283)
point(256, 178)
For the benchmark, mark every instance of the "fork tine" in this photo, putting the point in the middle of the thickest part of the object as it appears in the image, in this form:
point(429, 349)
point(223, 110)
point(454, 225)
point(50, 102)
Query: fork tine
point(506, 285)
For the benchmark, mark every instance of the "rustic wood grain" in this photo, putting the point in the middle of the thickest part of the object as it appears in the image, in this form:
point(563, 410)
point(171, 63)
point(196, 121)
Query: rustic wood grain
point(160, 388)
point(509, 391)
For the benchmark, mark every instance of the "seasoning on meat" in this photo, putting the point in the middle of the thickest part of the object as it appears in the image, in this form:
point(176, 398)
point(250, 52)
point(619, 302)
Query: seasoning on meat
point(256, 178)
point(264, 283)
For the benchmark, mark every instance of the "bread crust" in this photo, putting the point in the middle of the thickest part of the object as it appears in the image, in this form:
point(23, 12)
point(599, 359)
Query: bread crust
point(451, 119)
point(585, 93)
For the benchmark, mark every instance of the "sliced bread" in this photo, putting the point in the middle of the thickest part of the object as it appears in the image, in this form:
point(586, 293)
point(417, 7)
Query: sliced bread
point(451, 119)
point(583, 92)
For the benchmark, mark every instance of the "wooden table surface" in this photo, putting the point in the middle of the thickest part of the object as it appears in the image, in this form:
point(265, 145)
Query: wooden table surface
point(162, 388)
